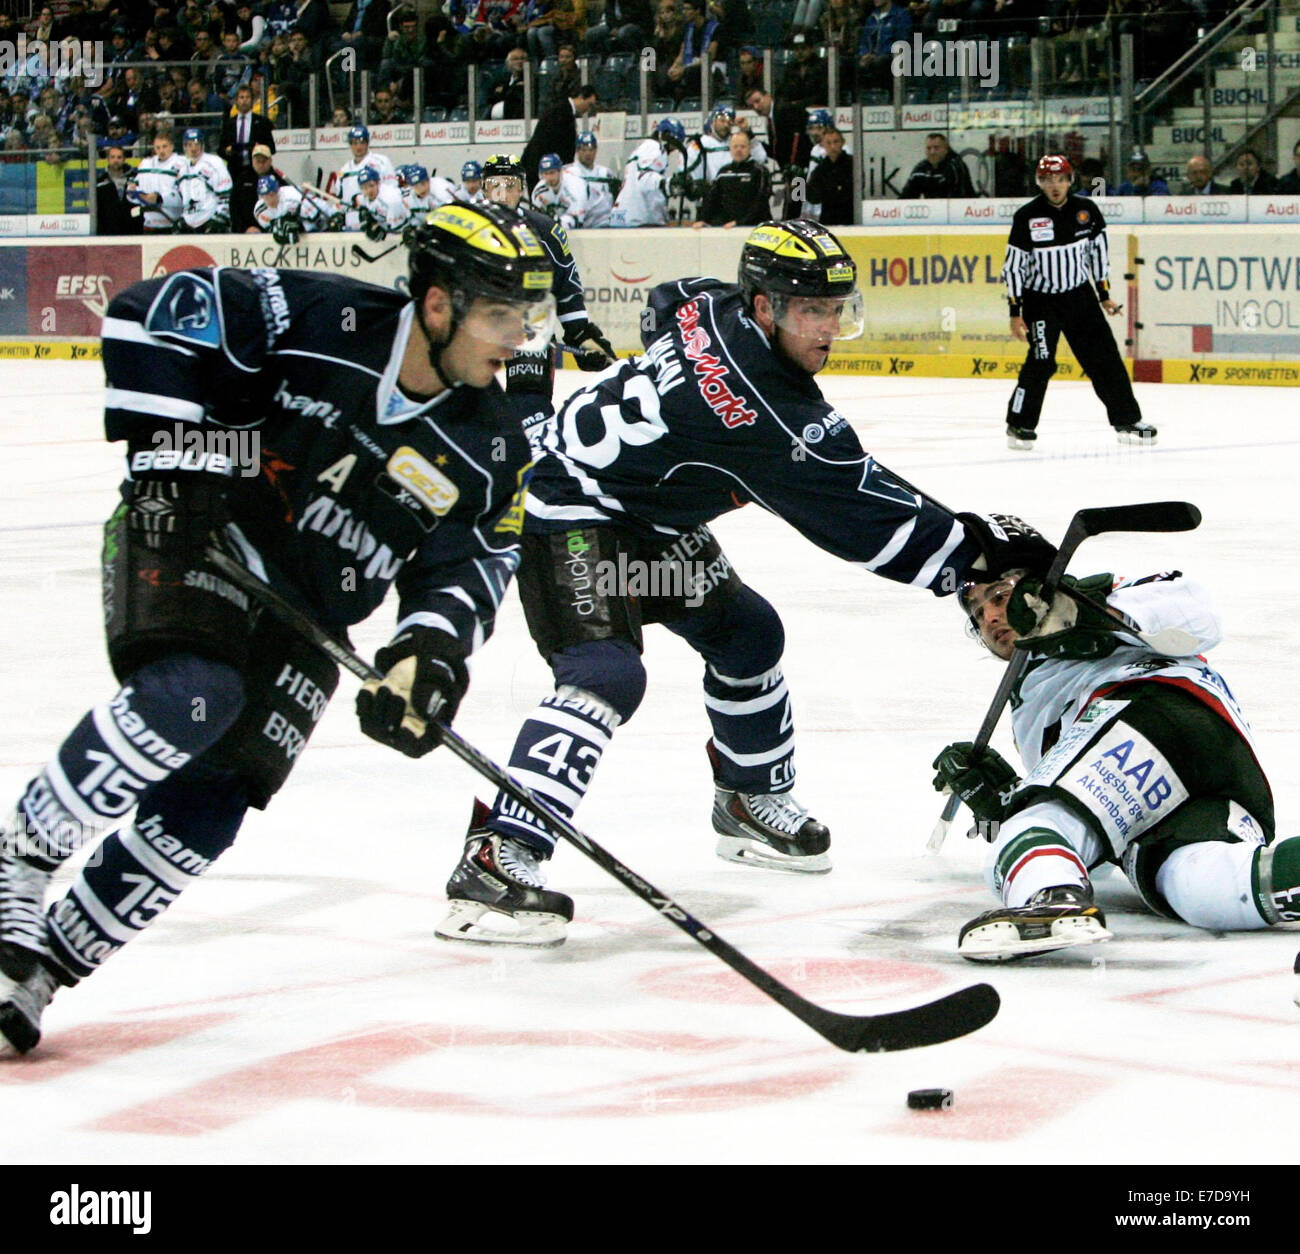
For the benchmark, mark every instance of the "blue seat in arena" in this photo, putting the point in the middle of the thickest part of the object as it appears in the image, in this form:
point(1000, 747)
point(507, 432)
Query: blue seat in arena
point(460, 114)
point(434, 115)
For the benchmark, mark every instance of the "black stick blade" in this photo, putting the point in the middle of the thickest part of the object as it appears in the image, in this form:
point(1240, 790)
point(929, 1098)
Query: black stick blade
point(956, 1015)
point(1147, 516)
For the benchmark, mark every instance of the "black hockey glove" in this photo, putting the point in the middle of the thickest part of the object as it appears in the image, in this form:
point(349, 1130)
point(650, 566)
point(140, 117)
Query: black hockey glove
point(285, 231)
point(1006, 543)
point(424, 680)
point(1068, 627)
point(984, 781)
point(375, 230)
point(336, 222)
point(184, 510)
point(589, 359)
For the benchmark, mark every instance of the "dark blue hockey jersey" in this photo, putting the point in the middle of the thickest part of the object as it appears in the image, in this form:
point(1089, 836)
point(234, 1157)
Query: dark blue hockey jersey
point(708, 419)
point(566, 286)
point(351, 486)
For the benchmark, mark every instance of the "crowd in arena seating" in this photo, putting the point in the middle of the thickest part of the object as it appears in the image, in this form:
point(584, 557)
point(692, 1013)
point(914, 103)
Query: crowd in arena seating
point(269, 53)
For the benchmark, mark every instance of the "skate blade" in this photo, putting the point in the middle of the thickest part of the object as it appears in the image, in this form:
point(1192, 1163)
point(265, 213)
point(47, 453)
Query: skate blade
point(1002, 942)
point(749, 851)
point(17, 1033)
point(1136, 441)
point(481, 925)
point(1021, 446)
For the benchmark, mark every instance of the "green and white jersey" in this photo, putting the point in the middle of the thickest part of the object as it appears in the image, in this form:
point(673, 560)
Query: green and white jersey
point(1054, 692)
point(205, 191)
point(602, 184)
point(161, 175)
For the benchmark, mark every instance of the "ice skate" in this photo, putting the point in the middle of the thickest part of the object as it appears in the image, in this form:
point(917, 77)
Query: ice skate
point(1141, 434)
point(21, 1010)
point(1020, 438)
point(22, 907)
point(497, 893)
point(1054, 918)
point(769, 829)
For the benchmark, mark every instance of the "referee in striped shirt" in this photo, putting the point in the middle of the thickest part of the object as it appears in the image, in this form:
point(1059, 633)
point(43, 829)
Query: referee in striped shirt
point(1056, 255)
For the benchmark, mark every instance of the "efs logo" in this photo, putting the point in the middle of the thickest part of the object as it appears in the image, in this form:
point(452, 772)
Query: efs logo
point(90, 289)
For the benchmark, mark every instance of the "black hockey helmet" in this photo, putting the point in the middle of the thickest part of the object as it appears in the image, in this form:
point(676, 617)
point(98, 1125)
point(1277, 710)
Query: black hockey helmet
point(478, 250)
point(800, 258)
point(503, 165)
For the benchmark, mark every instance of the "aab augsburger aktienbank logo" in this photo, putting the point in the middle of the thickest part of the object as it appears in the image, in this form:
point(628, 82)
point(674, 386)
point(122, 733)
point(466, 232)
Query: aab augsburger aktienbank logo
point(182, 257)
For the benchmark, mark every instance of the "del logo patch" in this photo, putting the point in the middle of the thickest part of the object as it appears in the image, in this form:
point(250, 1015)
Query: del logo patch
point(423, 480)
point(1040, 229)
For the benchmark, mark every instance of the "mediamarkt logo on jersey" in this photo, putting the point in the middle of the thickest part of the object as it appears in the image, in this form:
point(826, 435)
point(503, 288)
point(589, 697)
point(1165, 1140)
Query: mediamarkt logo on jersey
point(710, 373)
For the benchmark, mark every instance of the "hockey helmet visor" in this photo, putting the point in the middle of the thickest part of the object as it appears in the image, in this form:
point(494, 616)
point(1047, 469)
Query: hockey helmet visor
point(807, 275)
point(503, 179)
point(975, 599)
point(495, 268)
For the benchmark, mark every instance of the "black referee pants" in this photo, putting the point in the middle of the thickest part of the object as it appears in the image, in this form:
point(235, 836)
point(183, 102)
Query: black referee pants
point(1077, 314)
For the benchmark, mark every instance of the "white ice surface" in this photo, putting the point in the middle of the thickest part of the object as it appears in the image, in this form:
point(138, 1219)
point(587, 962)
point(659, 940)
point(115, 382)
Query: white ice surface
point(294, 1006)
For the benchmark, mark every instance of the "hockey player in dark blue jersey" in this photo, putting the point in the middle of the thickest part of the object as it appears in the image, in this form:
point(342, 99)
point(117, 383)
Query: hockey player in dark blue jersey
point(530, 375)
point(721, 409)
point(335, 438)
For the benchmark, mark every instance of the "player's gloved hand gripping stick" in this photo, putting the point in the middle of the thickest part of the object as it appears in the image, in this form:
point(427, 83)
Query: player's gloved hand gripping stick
point(937, 1021)
point(1149, 516)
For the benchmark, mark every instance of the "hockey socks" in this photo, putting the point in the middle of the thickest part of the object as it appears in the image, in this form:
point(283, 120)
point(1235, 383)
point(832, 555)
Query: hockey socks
point(1275, 879)
point(753, 730)
point(183, 826)
point(1033, 860)
point(555, 755)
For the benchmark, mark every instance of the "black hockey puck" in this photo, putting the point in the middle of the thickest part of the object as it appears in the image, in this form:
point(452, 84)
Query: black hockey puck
point(929, 1099)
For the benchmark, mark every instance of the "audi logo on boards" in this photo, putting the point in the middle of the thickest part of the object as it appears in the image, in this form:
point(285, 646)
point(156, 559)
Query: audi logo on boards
point(917, 211)
point(1215, 209)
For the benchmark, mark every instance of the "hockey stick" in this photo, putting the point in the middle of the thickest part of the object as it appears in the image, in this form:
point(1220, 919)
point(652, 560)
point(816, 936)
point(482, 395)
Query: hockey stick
point(358, 251)
point(931, 1024)
point(1148, 516)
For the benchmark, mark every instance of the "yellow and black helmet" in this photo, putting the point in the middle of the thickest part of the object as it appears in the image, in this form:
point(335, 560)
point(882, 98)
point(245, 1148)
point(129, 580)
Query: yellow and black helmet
point(795, 258)
point(478, 250)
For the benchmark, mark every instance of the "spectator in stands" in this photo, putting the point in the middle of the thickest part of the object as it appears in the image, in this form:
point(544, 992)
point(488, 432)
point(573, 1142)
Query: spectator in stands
point(942, 175)
point(407, 49)
point(365, 31)
point(737, 21)
point(202, 107)
point(741, 193)
point(341, 116)
point(1289, 183)
point(666, 43)
point(294, 73)
point(280, 17)
point(506, 99)
point(251, 27)
point(535, 23)
point(171, 44)
point(205, 54)
point(699, 32)
point(885, 24)
point(567, 77)
point(804, 81)
point(830, 186)
point(1252, 179)
point(121, 47)
point(1139, 181)
point(1200, 179)
point(750, 74)
point(119, 133)
point(15, 144)
point(115, 214)
point(557, 130)
point(231, 68)
point(624, 28)
point(45, 26)
point(1092, 179)
point(385, 111)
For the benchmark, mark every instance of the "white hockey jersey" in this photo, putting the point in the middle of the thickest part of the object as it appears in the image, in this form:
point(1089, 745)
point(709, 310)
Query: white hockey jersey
point(567, 204)
point(288, 204)
point(599, 180)
point(706, 154)
point(441, 192)
point(1054, 692)
point(161, 177)
point(387, 208)
point(478, 198)
point(348, 190)
point(643, 198)
point(205, 191)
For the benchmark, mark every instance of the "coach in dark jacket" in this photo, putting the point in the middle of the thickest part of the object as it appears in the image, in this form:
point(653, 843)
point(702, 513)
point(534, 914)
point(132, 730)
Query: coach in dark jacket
point(741, 193)
point(115, 214)
point(557, 130)
point(242, 131)
point(941, 176)
point(831, 183)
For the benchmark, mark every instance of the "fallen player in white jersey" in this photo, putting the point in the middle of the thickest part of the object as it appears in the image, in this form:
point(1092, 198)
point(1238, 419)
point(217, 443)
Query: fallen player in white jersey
point(1138, 754)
